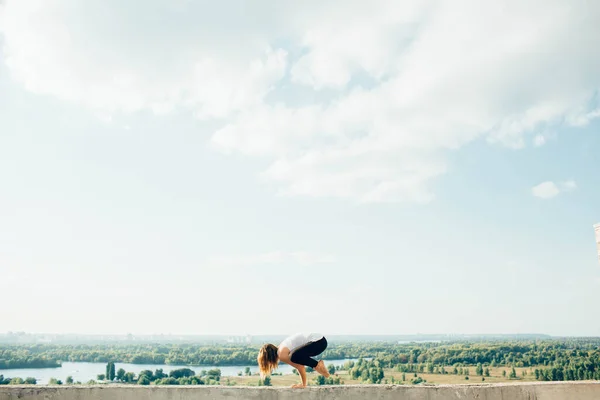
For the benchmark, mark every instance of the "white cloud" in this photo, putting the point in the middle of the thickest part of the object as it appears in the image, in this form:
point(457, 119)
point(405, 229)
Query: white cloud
point(270, 258)
point(85, 56)
point(539, 140)
point(545, 190)
point(341, 41)
point(568, 186)
point(468, 72)
point(549, 189)
point(584, 118)
point(387, 88)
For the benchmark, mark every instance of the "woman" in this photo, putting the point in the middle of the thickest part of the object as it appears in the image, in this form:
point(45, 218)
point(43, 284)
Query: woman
point(296, 350)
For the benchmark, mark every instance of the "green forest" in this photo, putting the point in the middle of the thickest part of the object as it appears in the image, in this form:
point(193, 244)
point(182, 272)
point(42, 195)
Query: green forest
point(546, 360)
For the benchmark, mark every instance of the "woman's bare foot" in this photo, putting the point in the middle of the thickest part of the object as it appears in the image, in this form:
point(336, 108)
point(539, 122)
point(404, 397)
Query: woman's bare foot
point(298, 386)
point(320, 368)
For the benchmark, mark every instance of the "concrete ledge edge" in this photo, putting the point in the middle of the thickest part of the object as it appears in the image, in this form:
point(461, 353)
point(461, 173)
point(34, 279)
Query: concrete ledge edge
point(340, 387)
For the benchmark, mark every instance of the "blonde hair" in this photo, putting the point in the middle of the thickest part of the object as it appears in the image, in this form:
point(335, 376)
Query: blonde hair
point(268, 360)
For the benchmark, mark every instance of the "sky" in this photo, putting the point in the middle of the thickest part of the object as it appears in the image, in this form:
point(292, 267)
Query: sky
point(266, 167)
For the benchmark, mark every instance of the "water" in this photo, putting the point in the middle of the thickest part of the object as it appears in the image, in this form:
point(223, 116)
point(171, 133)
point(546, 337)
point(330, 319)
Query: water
point(84, 371)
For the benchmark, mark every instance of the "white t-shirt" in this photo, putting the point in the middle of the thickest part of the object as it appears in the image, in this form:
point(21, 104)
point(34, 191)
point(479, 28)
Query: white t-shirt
point(297, 340)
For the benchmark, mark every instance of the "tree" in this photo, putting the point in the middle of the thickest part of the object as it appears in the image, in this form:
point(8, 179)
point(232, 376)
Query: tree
point(30, 381)
point(167, 381)
point(69, 380)
point(110, 371)
point(487, 372)
point(54, 381)
point(195, 380)
point(100, 377)
point(479, 369)
point(121, 374)
point(214, 374)
point(403, 377)
point(247, 371)
point(331, 369)
point(16, 381)
point(147, 373)
point(513, 373)
point(504, 373)
point(267, 381)
point(129, 377)
point(159, 374)
point(183, 372)
point(417, 380)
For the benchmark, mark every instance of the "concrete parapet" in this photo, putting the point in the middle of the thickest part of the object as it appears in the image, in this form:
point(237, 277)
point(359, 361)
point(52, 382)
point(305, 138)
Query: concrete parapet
point(580, 390)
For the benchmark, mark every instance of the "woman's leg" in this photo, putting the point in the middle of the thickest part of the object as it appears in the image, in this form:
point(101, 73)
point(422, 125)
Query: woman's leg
point(304, 354)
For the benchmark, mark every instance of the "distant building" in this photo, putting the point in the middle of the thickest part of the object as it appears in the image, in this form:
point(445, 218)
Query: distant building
point(597, 229)
point(239, 339)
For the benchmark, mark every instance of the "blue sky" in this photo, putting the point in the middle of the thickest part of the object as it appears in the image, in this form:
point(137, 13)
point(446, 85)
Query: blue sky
point(196, 168)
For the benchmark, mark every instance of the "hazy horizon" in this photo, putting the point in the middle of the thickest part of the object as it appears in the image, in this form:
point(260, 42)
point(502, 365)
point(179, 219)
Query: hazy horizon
point(413, 334)
point(199, 167)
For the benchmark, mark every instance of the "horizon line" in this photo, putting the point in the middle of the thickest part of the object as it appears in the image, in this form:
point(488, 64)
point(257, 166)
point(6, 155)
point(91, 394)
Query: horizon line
point(284, 334)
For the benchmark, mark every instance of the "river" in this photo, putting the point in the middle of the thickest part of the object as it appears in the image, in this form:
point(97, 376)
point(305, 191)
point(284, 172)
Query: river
point(84, 371)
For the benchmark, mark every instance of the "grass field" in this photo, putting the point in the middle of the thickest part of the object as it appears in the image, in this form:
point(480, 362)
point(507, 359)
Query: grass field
point(435, 379)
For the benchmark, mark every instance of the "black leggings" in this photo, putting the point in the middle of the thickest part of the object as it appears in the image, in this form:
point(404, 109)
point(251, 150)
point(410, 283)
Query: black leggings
point(303, 354)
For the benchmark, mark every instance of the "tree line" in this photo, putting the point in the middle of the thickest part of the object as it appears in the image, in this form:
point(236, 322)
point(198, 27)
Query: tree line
point(17, 381)
point(181, 376)
point(556, 359)
point(22, 358)
point(50, 355)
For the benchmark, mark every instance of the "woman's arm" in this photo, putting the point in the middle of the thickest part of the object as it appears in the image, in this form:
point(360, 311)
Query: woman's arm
point(284, 355)
point(302, 370)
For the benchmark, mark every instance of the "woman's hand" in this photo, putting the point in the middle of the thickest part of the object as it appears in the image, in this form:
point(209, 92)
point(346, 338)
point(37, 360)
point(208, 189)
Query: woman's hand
point(298, 386)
